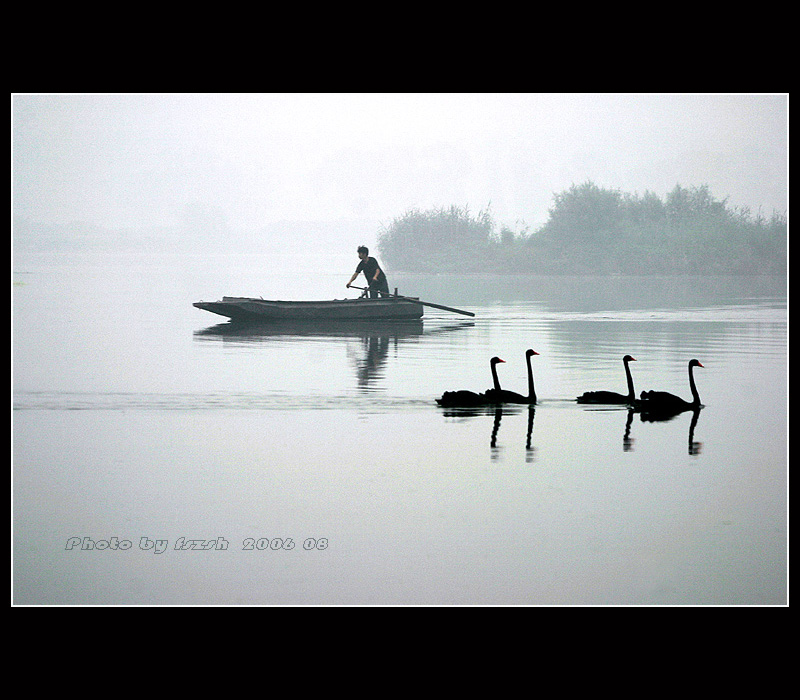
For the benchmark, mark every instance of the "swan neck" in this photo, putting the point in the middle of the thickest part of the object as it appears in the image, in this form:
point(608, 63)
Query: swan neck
point(631, 392)
point(693, 387)
point(531, 390)
point(495, 380)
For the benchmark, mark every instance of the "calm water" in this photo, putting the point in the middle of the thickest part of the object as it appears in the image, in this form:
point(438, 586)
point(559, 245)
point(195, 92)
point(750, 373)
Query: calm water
point(206, 464)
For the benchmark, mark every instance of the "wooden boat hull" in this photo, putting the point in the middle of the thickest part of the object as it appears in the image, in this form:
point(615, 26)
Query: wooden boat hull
point(249, 309)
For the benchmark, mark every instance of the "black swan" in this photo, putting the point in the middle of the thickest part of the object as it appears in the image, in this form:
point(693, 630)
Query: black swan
point(498, 395)
point(662, 402)
point(612, 396)
point(465, 397)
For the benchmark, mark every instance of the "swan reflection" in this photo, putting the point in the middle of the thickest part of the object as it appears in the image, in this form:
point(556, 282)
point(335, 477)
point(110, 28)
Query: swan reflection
point(498, 417)
point(658, 417)
point(497, 412)
point(627, 440)
point(662, 417)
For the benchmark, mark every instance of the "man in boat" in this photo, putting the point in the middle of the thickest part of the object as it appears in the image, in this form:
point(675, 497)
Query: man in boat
point(376, 279)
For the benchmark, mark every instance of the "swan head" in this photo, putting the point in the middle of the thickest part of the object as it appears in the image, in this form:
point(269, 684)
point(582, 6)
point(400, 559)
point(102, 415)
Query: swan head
point(694, 363)
point(530, 352)
point(628, 358)
point(495, 360)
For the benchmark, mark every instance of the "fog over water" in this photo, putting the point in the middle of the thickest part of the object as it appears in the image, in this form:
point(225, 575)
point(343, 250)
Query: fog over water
point(314, 462)
point(140, 418)
point(239, 162)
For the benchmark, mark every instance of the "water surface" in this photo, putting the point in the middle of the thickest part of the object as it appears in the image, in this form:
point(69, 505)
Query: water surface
point(312, 465)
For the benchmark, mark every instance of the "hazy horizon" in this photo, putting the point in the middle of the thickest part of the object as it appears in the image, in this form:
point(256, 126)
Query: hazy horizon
point(246, 161)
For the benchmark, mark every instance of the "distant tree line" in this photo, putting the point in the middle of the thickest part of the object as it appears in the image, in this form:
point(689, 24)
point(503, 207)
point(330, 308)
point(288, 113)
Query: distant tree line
point(594, 230)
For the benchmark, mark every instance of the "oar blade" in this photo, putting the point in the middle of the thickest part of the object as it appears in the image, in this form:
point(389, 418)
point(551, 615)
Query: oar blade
point(422, 303)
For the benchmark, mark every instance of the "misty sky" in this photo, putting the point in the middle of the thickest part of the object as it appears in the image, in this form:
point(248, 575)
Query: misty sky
point(253, 159)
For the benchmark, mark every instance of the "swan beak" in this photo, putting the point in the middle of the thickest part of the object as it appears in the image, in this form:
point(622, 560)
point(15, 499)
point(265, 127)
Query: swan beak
point(499, 360)
point(700, 365)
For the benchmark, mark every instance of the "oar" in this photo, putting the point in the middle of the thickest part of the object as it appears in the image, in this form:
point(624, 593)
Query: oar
point(417, 301)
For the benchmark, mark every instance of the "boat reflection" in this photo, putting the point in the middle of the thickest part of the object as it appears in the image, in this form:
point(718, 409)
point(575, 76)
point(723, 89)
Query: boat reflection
point(239, 331)
point(369, 356)
point(260, 332)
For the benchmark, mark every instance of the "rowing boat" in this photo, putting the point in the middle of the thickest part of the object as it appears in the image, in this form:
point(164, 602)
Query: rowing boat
point(249, 309)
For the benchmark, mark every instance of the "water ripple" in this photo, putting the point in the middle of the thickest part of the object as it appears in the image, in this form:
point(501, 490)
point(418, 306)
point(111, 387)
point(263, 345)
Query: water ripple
point(133, 401)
